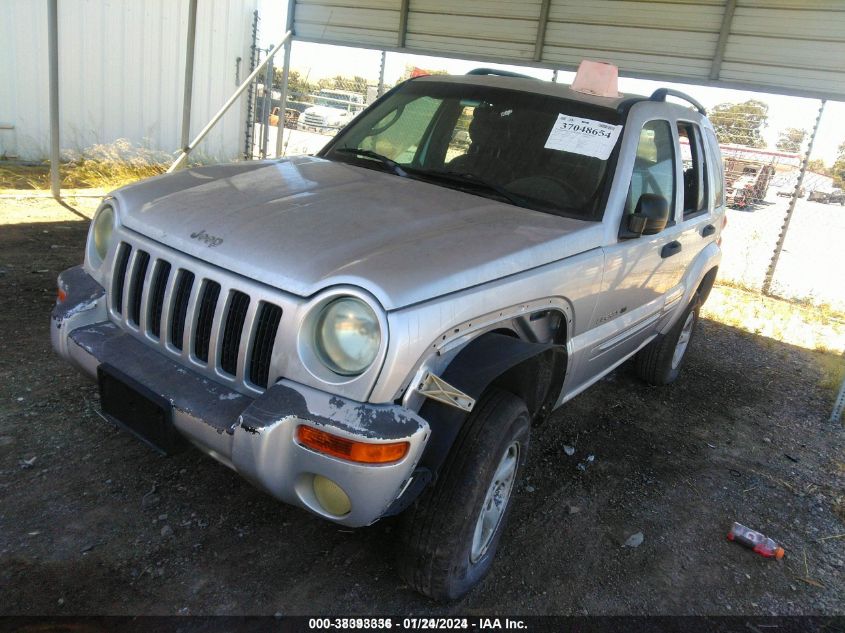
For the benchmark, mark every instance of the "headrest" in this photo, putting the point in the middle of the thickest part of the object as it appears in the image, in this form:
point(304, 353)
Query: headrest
point(489, 126)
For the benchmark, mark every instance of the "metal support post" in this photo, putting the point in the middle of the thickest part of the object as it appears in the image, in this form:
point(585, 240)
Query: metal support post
point(770, 273)
point(280, 133)
point(189, 74)
point(53, 57)
point(381, 73)
point(554, 76)
point(268, 105)
point(839, 405)
point(180, 161)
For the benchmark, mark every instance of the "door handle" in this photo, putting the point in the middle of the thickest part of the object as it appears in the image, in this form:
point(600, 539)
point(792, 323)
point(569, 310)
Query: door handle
point(708, 230)
point(672, 248)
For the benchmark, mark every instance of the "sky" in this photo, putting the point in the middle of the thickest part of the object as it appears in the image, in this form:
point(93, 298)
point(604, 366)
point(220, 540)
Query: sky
point(318, 61)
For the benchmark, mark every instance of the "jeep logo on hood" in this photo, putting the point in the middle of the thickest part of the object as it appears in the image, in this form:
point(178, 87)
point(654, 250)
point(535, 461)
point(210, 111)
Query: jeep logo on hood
point(210, 240)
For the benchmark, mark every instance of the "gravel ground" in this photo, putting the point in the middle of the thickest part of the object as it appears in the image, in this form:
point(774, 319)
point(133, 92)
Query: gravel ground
point(93, 522)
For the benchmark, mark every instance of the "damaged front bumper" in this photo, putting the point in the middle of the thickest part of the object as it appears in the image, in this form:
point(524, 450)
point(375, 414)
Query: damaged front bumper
point(253, 435)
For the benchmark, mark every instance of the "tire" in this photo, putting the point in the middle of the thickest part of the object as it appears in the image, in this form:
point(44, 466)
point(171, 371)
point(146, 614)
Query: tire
point(440, 554)
point(657, 362)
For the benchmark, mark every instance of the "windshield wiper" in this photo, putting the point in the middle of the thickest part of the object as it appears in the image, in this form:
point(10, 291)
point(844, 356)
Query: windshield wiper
point(475, 182)
point(384, 160)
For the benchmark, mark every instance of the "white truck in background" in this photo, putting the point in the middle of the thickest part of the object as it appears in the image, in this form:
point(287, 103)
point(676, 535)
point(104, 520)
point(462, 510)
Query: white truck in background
point(332, 110)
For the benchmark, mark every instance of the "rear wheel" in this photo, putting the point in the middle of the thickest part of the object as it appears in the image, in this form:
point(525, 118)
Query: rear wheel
point(659, 362)
point(450, 536)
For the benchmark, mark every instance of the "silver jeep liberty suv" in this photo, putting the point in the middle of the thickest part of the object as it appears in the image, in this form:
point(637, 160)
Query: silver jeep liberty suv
point(373, 330)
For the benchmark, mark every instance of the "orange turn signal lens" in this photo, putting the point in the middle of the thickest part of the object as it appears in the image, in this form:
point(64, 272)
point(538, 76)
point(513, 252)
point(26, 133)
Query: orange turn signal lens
point(61, 296)
point(362, 452)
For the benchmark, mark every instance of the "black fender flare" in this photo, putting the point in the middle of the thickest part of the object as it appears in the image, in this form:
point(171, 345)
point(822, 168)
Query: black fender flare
point(492, 358)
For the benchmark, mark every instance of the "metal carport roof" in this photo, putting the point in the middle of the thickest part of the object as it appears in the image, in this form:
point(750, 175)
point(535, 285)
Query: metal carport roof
point(794, 47)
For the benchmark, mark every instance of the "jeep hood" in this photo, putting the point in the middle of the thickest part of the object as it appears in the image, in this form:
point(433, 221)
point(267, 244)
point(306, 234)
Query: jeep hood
point(304, 224)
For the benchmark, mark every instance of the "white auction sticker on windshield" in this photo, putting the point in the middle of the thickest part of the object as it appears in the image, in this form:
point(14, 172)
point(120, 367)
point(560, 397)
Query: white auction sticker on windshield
point(583, 136)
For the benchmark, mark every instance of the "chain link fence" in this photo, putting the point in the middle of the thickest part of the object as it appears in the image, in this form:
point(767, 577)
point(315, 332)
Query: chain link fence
point(315, 109)
point(763, 163)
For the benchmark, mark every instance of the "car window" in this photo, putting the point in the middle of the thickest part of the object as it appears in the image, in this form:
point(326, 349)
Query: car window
point(397, 135)
point(538, 151)
point(460, 138)
point(695, 177)
point(654, 166)
point(716, 168)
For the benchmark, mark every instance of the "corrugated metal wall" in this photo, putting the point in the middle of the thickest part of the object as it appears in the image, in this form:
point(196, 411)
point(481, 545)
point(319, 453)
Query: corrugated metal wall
point(122, 65)
point(789, 46)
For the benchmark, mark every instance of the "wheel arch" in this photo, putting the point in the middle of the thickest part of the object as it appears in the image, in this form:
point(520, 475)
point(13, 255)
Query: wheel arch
point(701, 275)
point(502, 355)
point(533, 371)
point(707, 282)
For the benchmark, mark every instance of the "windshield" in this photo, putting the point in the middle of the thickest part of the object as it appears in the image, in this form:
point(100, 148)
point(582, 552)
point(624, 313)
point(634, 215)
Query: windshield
point(514, 146)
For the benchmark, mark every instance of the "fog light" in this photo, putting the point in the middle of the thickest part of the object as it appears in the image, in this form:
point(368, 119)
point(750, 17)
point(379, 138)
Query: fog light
point(331, 496)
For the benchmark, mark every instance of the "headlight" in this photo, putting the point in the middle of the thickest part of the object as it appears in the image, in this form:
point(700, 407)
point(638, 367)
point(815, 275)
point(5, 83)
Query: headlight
point(347, 336)
point(102, 232)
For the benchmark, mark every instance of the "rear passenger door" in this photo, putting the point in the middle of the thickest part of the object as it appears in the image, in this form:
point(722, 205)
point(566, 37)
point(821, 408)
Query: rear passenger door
point(695, 215)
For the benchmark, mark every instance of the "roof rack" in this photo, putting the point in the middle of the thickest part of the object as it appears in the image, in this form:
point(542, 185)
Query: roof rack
point(661, 93)
point(499, 73)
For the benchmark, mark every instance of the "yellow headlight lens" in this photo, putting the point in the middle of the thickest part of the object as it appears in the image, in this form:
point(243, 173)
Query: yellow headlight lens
point(103, 231)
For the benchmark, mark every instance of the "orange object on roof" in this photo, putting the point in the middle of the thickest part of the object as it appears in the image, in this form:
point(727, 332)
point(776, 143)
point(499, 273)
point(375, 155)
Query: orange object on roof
point(597, 78)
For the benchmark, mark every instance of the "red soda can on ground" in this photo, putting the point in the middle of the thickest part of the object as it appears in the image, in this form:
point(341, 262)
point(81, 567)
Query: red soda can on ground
point(753, 540)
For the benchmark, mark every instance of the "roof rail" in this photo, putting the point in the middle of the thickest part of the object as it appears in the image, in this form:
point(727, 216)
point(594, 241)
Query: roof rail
point(661, 93)
point(499, 73)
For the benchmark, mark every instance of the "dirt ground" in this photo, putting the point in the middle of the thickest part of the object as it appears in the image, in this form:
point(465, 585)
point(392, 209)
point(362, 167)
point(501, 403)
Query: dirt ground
point(93, 522)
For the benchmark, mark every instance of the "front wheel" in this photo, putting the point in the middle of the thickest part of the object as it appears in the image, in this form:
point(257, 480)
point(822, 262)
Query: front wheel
point(450, 536)
point(659, 362)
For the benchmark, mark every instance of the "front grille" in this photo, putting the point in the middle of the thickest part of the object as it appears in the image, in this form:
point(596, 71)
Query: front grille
point(205, 319)
point(136, 286)
point(123, 254)
point(162, 274)
point(175, 304)
point(233, 331)
point(314, 119)
point(180, 307)
point(265, 336)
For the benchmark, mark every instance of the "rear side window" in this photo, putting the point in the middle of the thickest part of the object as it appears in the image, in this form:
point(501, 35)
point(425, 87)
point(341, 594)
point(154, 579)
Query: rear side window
point(695, 176)
point(714, 157)
point(654, 166)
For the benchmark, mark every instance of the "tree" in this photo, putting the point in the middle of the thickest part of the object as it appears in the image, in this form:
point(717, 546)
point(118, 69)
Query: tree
point(838, 169)
point(353, 84)
point(790, 139)
point(740, 123)
point(299, 89)
point(817, 166)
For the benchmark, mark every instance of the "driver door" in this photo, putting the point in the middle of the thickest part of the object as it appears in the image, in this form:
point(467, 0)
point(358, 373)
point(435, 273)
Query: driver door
point(640, 273)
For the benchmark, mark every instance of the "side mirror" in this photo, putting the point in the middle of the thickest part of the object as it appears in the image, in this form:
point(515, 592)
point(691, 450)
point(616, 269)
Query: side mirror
point(650, 216)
